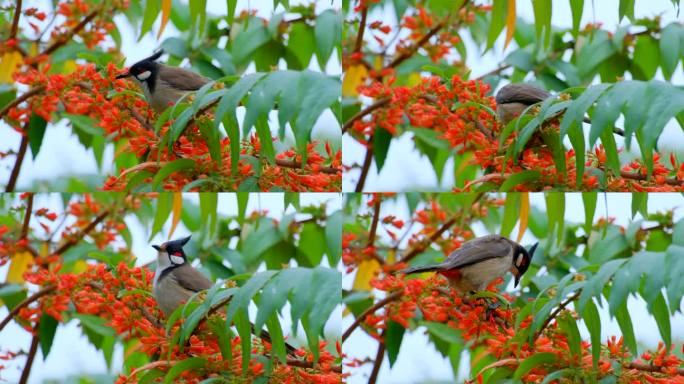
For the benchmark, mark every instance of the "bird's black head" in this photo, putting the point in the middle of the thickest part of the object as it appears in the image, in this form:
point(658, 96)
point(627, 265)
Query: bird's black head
point(522, 260)
point(144, 70)
point(174, 250)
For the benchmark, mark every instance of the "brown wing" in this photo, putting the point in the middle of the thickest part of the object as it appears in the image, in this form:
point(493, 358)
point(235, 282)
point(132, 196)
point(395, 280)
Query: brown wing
point(477, 250)
point(182, 79)
point(521, 93)
point(191, 279)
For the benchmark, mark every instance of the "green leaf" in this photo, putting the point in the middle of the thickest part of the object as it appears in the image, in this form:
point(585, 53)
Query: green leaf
point(670, 49)
point(301, 45)
point(328, 32)
point(511, 214)
point(209, 210)
point(231, 5)
point(36, 132)
point(662, 318)
point(47, 329)
point(242, 201)
point(594, 285)
point(498, 21)
point(519, 178)
point(264, 134)
point(277, 339)
point(181, 366)
point(646, 57)
point(394, 334)
point(576, 6)
point(542, 20)
point(589, 199)
point(639, 204)
point(326, 285)
point(244, 330)
point(578, 108)
point(171, 168)
point(532, 362)
point(244, 294)
point(162, 213)
point(556, 375)
point(381, 143)
point(152, 11)
point(248, 41)
point(591, 318)
point(444, 332)
point(569, 325)
point(626, 9)
point(333, 237)
point(674, 265)
point(625, 322)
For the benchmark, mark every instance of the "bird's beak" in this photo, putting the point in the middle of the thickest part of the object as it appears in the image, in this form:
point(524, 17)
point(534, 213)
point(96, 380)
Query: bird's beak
point(124, 75)
point(517, 280)
point(156, 247)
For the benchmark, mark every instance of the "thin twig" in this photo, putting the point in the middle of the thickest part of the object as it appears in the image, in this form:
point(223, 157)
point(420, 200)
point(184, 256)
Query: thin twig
point(370, 310)
point(362, 28)
point(31, 355)
point(367, 160)
point(556, 312)
point(31, 92)
point(374, 224)
point(496, 71)
point(640, 177)
point(15, 21)
point(296, 165)
point(44, 291)
point(422, 246)
point(649, 368)
point(61, 40)
point(379, 357)
point(27, 216)
point(14, 176)
point(378, 104)
point(74, 240)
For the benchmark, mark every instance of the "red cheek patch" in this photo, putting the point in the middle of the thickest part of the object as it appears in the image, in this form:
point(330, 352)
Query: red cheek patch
point(451, 274)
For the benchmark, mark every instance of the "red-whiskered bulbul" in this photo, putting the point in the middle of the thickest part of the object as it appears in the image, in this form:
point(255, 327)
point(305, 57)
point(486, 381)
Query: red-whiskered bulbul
point(513, 99)
point(175, 280)
point(480, 261)
point(163, 85)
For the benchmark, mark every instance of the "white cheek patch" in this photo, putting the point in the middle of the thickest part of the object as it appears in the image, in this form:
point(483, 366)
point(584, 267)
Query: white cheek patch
point(143, 75)
point(177, 260)
point(519, 260)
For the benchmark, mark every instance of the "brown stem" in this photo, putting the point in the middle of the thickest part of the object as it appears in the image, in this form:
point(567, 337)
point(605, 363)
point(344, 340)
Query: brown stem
point(556, 312)
point(296, 164)
point(15, 20)
point(362, 28)
point(44, 291)
point(197, 114)
point(31, 92)
point(422, 246)
point(23, 147)
point(307, 364)
point(379, 357)
point(486, 179)
point(65, 39)
point(27, 216)
point(405, 55)
point(374, 224)
point(74, 240)
point(31, 355)
point(640, 177)
point(496, 71)
point(370, 310)
point(378, 104)
point(649, 368)
point(368, 159)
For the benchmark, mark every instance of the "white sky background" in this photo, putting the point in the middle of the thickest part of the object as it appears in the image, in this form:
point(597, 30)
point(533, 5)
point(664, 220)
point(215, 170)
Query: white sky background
point(420, 362)
point(72, 353)
point(62, 155)
point(416, 170)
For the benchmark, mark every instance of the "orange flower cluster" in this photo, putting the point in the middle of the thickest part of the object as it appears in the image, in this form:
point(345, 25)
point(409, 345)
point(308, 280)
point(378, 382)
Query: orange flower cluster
point(494, 330)
point(459, 111)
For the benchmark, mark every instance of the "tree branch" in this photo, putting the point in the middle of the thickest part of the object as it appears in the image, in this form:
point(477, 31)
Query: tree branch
point(367, 160)
point(74, 240)
point(640, 177)
point(61, 40)
point(379, 357)
point(31, 92)
point(378, 104)
point(44, 291)
point(14, 176)
point(15, 21)
point(27, 216)
point(556, 312)
point(649, 368)
point(31, 355)
point(422, 246)
point(362, 28)
point(370, 310)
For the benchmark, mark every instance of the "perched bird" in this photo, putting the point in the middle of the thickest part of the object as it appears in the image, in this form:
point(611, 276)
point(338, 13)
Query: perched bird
point(480, 261)
point(175, 281)
point(513, 99)
point(163, 85)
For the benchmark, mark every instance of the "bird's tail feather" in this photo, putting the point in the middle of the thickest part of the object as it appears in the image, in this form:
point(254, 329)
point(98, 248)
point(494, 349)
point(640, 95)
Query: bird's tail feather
point(422, 268)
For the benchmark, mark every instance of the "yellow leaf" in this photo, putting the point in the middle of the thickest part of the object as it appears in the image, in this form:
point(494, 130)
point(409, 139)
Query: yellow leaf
point(524, 214)
point(352, 79)
point(414, 79)
point(19, 264)
point(68, 67)
point(79, 266)
point(510, 22)
point(166, 12)
point(8, 65)
point(366, 272)
point(176, 208)
point(378, 63)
